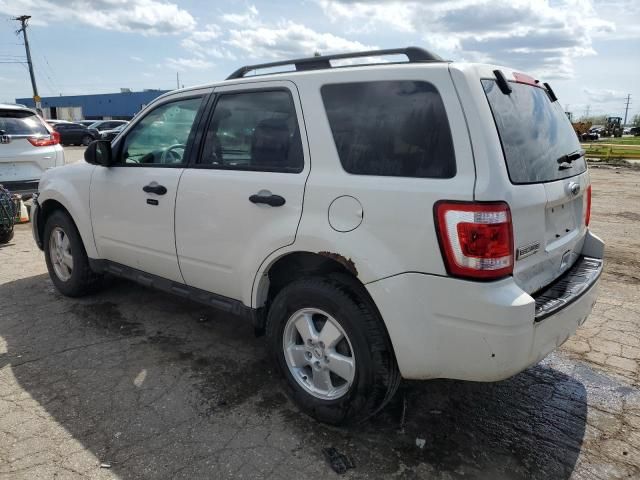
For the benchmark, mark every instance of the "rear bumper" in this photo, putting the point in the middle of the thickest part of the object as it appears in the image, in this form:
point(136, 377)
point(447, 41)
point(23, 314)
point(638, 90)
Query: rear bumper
point(25, 188)
point(443, 327)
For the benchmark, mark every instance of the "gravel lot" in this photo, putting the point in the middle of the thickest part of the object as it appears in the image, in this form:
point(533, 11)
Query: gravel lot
point(155, 387)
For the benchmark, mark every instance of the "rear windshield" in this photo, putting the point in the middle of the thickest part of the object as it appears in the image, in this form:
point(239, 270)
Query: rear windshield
point(534, 133)
point(14, 122)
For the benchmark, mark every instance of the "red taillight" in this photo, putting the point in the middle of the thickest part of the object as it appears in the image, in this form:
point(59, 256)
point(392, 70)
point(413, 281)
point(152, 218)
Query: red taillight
point(52, 139)
point(476, 238)
point(587, 208)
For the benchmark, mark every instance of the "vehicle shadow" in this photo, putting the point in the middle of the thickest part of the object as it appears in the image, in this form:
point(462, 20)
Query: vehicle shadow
point(158, 387)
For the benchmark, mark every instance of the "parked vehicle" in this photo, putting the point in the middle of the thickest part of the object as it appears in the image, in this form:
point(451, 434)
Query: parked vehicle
point(100, 126)
point(445, 229)
point(75, 134)
point(613, 128)
point(53, 123)
point(28, 147)
point(111, 134)
point(86, 123)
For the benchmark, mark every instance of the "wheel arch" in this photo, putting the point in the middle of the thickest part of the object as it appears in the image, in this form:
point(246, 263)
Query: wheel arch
point(48, 207)
point(293, 265)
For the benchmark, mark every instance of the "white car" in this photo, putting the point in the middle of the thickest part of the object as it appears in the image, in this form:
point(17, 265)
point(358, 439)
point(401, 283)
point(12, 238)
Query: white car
point(417, 220)
point(28, 147)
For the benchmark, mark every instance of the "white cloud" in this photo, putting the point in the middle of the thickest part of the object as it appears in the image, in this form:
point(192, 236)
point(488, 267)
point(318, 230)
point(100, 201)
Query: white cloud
point(136, 58)
point(247, 19)
point(206, 43)
point(182, 64)
point(538, 37)
point(604, 95)
point(288, 40)
point(149, 17)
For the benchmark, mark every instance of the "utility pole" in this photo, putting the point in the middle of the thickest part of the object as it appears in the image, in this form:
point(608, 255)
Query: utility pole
point(626, 109)
point(24, 19)
point(178, 80)
point(586, 112)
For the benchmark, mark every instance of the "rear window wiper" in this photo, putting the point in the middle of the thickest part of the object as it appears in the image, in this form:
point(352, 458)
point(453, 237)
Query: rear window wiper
point(570, 157)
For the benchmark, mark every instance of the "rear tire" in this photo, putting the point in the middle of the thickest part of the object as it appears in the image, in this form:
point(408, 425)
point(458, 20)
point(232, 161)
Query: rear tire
point(66, 257)
point(364, 345)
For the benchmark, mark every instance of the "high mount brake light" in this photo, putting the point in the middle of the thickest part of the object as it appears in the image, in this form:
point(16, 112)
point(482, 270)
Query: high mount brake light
point(526, 79)
point(476, 239)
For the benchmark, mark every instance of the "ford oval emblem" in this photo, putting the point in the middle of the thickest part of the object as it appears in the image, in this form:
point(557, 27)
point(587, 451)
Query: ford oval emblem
point(574, 188)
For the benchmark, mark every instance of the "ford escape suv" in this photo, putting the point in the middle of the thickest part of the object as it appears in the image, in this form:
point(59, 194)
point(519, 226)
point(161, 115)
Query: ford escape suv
point(419, 219)
point(28, 147)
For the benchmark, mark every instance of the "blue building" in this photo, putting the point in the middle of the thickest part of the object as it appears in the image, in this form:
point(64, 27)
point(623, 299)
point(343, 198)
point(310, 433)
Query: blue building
point(109, 106)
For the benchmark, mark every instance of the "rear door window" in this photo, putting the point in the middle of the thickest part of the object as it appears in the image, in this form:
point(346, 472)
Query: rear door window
point(390, 128)
point(535, 134)
point(254, 131)
point(14, 122)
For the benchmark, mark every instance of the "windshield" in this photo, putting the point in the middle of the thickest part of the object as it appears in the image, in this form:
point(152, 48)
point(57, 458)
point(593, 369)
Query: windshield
point(534, 133)
point(14, 122)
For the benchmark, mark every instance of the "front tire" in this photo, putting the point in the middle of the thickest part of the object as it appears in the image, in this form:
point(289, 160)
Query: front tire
point(66, 257)
point(86, 140)
point(331, 346)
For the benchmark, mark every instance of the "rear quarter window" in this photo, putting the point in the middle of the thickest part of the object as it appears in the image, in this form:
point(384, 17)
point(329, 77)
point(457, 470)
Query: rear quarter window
point(390, 128)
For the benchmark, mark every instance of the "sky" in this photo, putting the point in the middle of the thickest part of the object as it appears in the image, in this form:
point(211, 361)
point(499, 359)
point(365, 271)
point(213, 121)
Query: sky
point(589, 50)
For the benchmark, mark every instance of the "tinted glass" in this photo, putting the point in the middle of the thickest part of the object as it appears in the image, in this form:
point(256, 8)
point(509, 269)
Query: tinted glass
point(254, 131)
point(392, 128)
point(160, 138)
point(534, 132)
point(14, 122)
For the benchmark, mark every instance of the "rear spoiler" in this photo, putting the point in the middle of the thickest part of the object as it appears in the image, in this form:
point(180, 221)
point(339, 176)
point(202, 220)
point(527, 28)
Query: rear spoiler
point(505, 88)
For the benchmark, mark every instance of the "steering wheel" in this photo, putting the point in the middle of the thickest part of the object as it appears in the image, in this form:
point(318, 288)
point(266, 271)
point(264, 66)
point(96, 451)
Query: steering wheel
point(171, 156)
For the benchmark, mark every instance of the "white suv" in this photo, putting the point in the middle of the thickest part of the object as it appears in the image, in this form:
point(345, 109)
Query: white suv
point(417, 220)
point(28, 147)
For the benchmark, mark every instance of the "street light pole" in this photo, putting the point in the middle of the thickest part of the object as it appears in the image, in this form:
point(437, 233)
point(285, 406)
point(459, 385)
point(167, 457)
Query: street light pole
point(24, 22)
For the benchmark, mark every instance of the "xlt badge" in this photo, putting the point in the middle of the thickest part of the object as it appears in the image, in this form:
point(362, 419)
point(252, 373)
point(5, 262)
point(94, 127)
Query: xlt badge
point(527, 250)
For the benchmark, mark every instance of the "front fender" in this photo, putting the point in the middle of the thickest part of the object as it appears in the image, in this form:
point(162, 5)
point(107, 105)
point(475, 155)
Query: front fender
point(70, 186)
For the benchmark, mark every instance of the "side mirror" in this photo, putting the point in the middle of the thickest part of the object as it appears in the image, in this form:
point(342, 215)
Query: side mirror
point(99, 153)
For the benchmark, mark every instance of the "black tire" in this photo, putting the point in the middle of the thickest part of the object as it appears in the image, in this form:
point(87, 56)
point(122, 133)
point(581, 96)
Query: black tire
point(83, 280)
point(376, 376)
point(6, 235)
point(86, 140)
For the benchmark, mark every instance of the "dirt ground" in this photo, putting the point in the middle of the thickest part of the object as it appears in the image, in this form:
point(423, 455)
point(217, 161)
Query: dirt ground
point(151, 386)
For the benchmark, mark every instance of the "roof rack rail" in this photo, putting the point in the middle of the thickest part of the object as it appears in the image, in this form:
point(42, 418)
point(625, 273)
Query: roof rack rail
point(414, 55)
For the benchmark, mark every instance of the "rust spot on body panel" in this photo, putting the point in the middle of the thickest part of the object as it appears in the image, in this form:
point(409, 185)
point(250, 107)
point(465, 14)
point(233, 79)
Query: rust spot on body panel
point(345, 262)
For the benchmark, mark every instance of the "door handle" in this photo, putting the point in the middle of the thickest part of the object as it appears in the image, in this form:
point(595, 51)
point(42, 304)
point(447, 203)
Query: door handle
point(267, 198)
point(153, 187)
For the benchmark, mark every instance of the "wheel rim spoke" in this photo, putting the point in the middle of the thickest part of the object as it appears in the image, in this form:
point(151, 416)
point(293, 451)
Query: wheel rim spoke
point(322, 380)
point(306, 328)
point(330, 334)
point(67, 260)
point(297, 356)
point(58, 238)
point(65, 243)
point(342, 366)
